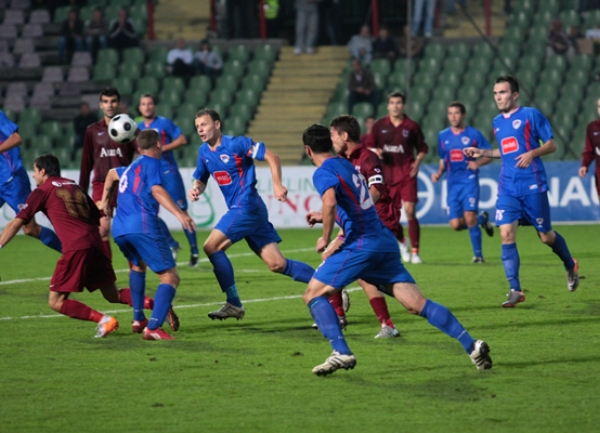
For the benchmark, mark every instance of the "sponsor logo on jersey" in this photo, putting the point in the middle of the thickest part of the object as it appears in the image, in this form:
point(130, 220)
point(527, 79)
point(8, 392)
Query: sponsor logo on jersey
point(222, 178)
point(540, 221)
point(509, 145)
point(405, 133)
point(383, 131)
point(110, 152)
point(225, 158)
point(456, 155)
point(100, 133)
point(465, 140)
point(393, 149)
point(516, 123)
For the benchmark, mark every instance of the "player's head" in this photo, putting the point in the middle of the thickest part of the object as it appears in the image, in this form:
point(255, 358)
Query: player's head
point(109, 101)
point(208, 125)
point(396, 102)
point(506, 92)
point(456, 114)
point(317, 141)
point(344, 129)
point(45, 166)
point(147, 106)
point(148, 139)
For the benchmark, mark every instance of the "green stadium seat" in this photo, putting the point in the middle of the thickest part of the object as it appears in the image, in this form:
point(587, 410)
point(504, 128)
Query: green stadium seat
point(140, 25)
point(134, 55)
point(450, 79)
point(543, 17)
point(108, 55)
point(120, 3)
point(196, 97)
point(519, 19)
point(60, 14)
point(28, 129)
point(419, 94)
point(235, 125)
point(104, 72)
point(530, 63)
point(147, 85)
point(514, 35)
point(551, 76)
point(86, 13)
point(400, 66)
point(572, 90)
point(259, 67)
point(154, 69)
point(265, 52)
point(12, 116)
point(158, 54)
point(381, 66)
point(139, 10)
point(511, 50)
point(239, 52)
point(592, 19)
point(228, 82)
point(438, 108)
point(169, 97)
point(63, 153)
point(503, 66)
point(52, 129)
point(341, 94)
point(445, 94)
point(538, 34)
point(130, 70)
point(242, 111)
point(564, 117)
point(248, 97)
point(363, 109)
point(380, 80)
point(435, 50)
point(559, 63)
point(430, 65)
point(174, 83)
point(337, 108)
point(234, 67)
point(425, 81)
point(30, 115)
point(186, 124)
point(164, 110)
point(221, 97)
point(546, 106)
point(582, 62)
point(124, 85)
point(479, 66)
point(415, 110)
point(254, 81)
point(483, 50)
point(42, 144)
point(454, 64)
point(188, 110)
point(97, 3)
point(382, 110)
point(459, 51)
point(397, 80)
point(200, 82)
point(570, 18)
point(527, 78)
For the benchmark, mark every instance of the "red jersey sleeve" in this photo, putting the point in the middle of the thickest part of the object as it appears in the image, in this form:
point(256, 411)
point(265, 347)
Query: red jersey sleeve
point(372, 170)
point(34, 203)
point(87, 160)
point(588, 152)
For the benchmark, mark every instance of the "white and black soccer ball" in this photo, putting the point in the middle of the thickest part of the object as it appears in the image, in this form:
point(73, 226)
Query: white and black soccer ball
point(122, 128)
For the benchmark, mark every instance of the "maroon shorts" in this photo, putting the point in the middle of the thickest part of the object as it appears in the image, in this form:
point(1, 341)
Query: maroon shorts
point(77, 269)
point(391, 220)
point(406, 190)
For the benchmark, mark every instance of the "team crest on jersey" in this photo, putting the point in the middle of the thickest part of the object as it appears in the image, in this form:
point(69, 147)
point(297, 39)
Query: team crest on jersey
point(472, 200)
point(539, 221)
point(509, 145)
point(222, 178)
point(377, 170)
point(405, 133)
point(516, 123)
point(465, 140)
point(225, 158)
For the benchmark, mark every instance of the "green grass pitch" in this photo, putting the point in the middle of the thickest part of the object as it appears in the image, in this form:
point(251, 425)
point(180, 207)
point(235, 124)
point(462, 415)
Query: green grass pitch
point(254, 375)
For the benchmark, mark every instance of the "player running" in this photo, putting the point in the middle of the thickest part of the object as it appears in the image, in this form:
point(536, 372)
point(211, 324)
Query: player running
point(395, 138)
point(463, 176)
point(522, 187)
point(171, 139)
point(14, 182)
point(230, 160)
point(137, 232)
point(369, 252)
point(591, 152)
point(84, 261)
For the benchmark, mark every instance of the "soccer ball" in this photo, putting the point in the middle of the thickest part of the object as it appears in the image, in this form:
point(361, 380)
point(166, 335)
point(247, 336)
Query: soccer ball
point(122, 128)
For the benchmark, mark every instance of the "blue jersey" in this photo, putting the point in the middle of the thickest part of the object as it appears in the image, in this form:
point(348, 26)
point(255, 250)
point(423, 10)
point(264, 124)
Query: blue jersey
point(517, 134)
point(137, 209)
point(232, 166)
point(356, 213)
point(450, 149)
point(168, 133)
point(10, 161)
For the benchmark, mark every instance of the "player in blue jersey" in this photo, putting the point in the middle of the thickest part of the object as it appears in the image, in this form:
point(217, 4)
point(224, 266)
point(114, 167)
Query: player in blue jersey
point(463, 176)
point(369, 252)
point(230, 161)
point(522, 187)
point(14, 182)
point(137, 232)
point(171, 138)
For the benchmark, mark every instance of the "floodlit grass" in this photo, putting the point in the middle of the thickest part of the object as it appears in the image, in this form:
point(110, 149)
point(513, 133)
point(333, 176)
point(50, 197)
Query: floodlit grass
point(254, 375)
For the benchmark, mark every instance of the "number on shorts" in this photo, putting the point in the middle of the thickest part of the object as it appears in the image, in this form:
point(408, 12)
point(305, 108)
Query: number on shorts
point(76, 203)
point(365, 198)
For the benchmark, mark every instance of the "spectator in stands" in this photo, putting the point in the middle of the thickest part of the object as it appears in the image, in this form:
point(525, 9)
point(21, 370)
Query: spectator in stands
point(71, 37)
point(307, 25)
point(122, 33)
point(181, 60)
point(384, 46)
point(558, 41)
point(415, 47)
point(361, 85)
point(96, 32)
point(207, 61)
point(429, 6)
point(84, 119)
point(360, 46)
point(369, 122)
point(574, 35)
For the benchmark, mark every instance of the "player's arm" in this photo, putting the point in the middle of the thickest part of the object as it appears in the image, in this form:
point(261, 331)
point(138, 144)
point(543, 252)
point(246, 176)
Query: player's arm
point(475, 152)
point(435, 177)
point(371, 144)
point(162, 196)
point(375, 193)
point(197, 189)
point(279, 190)
point(329, 211)
point(110, 187)
point(587, 156)
point(334, 245)
point(13, 140)
point(524, 160)
point(10, 230)
point(422, 149)
point(175, 144)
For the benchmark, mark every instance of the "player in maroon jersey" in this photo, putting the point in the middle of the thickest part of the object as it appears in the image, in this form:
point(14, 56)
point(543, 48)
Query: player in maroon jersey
point(591, 152)
point(395, 138)
point(101, 153)
point(84, 262)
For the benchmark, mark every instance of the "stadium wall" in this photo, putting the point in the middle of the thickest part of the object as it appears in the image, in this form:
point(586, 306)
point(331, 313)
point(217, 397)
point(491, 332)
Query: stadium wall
point(572, 199)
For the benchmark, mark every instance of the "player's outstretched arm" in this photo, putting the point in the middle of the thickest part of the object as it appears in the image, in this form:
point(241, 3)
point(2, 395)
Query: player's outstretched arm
point(197, 190)
point(435, 177)
point(524, 160)
point(175, 144)
point(13, 140)
point(9, 232)
point(279, 190)
point(162, 196)
point(328, 212)
point(474, 152)
point(314, 217)
point(110, 187)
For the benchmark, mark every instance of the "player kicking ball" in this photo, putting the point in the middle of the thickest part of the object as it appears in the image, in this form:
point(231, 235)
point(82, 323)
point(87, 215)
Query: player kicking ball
point(137, 232)
point(369, 252)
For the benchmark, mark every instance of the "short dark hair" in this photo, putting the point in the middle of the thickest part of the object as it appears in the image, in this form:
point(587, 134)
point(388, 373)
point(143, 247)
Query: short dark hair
point(349, 124)
point(110, 91)
point(147, 138)
point(459, 105)
point(317, 137)
point(148, 95)
point(397, 94)
point(512, 81)
point(209, 112)
point(48, 162)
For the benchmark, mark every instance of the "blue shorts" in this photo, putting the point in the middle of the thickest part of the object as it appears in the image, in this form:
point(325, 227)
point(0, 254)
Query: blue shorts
point(152, 249)
point(375, 267)
point(462, 198)
point(173, 184)
point(252, 225)
point(532, 209)
point(16, 191)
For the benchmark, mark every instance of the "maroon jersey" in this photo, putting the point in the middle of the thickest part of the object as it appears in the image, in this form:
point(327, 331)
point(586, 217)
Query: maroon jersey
point(70, 210)
point(399, 144)
point(368, 164)
point(592, 149)
point(102, 153)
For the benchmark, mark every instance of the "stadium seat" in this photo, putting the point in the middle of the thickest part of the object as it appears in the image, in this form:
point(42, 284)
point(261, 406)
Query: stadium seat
point(188, 110)
point(242, 111)
point(52, 129)
point(12, 116)
point(430, 66)
point(63, 153)
point(30, 115)
point(454, 64)
point(186, 124)
point(381, 66)
point(435, 50)
point(60, 14)
point(104, 72)
point(572, 90)
point(228, 82)
point(337, 108)
point(519, 19)
point(239, 52)
point(458, 51)
point(581, 62)
point(479, 65)
point(97, 3)
point(174, 83)
point(164, 110)
point(129, 70)
point(155, 69)
point(382, 110)
point(592, 19)
point(107, 55)
point(438, 107)
point(570, 18)
point(134, 55)
point(170, 97)
point(235, 123)
point(200, 82)
point(425, 81)
point(86, 13)
point(380, 80)
point(419, 94)
point(139, 10)
point(120, 3)
point(527, 78)
point(401, 64)
point(546, 106)
point(559, 63)
point(259, 67)
point(445, 94)
point(255, 82)
point(415, 110)
point(363, 109)
point(538, 34)
point(397, 80)
point(450, 79)
point(551, 76)
point(220, 97)
point(42, 144)
point(234, 67)
point(510, 50)
point(123, 85)
point(147, 85)
point(196, 97)
point(530, 63)
point(341, 94)
point(514, 35)
point(265, 52)
point(248, 97)
point(158, 54)
point(483, 50)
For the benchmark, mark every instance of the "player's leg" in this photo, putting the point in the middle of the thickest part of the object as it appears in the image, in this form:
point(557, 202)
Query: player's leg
point(379, 305)
point(60, 303)
point(470, 218)
point(271, 255)
point(396, 196)
point(163, 299)
point(409, 197)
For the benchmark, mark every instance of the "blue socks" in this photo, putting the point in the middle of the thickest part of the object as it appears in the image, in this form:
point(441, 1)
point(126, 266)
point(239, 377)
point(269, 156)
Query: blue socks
point(329, 323)
point(162, 303)
point(224, 272)
point(511, 262)
point(137, 286)
point(440, 317)
point(49, 238)
point(191, 236)
point(164, 230)
point(559, 247)
point(475, 234)
point(298, 271)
